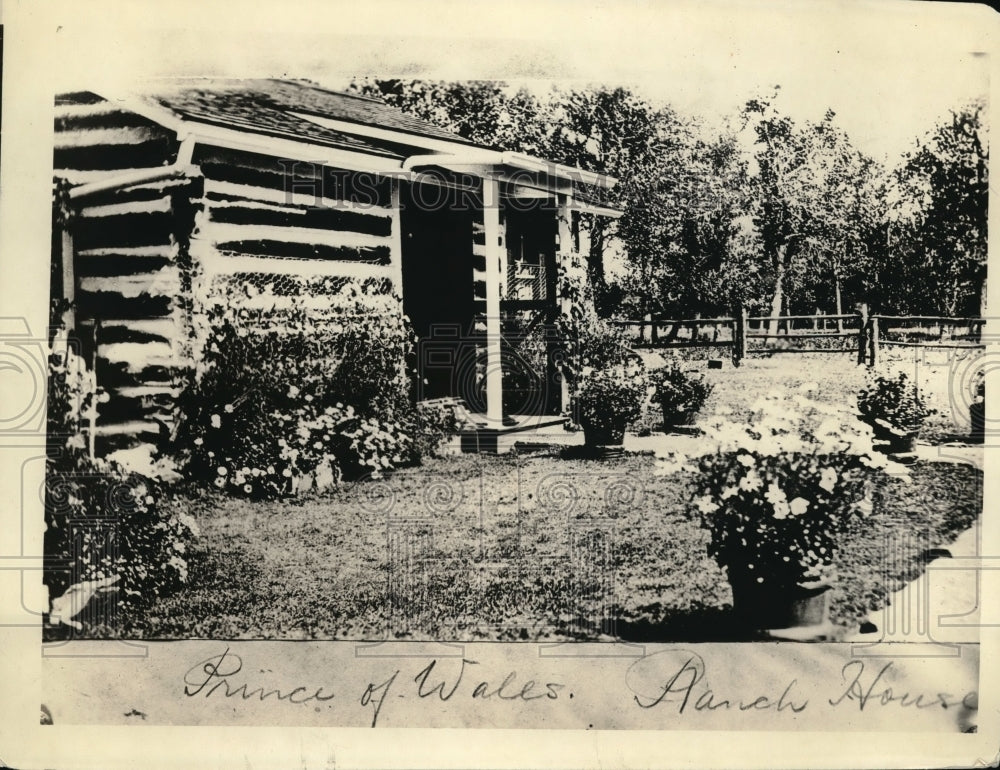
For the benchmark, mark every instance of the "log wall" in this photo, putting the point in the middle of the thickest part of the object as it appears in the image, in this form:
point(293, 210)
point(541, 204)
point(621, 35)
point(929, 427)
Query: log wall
point(233, 218)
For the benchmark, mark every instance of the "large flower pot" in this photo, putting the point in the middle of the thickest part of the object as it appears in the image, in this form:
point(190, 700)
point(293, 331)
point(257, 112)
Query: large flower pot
point(604, 440)
point(798, 612)
point(673, 419)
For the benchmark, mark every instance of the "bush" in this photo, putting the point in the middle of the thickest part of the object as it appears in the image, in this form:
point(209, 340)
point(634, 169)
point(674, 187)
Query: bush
point(280, 395)
point(783, 488)
point(606, 401)
point(893, 403)
point(679, 393)
point(102, 521)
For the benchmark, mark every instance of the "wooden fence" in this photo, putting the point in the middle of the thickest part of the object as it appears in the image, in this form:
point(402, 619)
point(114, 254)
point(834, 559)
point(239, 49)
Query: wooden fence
point(860, 333)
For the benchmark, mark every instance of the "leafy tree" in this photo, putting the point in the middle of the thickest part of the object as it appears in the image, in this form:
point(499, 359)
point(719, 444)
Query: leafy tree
point(939, 216)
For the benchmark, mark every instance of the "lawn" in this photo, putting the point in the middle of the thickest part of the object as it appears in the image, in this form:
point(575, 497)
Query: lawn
point(527, 546)
point(558, 549)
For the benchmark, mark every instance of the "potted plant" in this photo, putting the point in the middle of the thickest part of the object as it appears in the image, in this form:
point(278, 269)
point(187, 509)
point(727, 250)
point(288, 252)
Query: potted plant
point(895, 410)
point(680, 394)
point(606, 401)
point(776, 497)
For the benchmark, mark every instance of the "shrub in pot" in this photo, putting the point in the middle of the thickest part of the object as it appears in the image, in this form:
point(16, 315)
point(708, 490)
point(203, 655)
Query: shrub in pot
point(776, 497)
point(895, 410)
point(606, 401)
point(680, 394)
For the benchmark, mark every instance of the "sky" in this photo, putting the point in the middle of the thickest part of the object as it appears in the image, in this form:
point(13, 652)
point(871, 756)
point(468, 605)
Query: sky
point(889, 70)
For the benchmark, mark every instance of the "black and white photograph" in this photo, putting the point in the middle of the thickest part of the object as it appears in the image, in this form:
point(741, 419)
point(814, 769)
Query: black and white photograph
point(613, 367)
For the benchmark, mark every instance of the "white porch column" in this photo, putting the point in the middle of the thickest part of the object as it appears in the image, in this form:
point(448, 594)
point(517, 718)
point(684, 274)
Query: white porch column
point(495, 258)
point(564, 257)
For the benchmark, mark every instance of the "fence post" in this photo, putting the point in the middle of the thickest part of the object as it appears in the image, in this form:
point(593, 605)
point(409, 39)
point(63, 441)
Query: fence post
point(862, 332)
point(654, 331)
point(739, 334)
point(874, 340)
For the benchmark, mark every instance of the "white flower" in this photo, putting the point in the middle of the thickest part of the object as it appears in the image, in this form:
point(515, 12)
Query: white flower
point(247, 488)
point(292, 391)
point(745, 459)
point(216, 421)
point(199, 441)
point(828, 479)
point(706, 505)
point(729, 492)
point(228, 408)
point(751, 482)
point(222, 471)
point(781, 510)
point(774, 494)
point(798, 506)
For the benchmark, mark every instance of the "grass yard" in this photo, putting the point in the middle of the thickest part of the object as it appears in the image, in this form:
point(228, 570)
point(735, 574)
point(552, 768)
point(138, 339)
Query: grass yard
point(944, 378)
point(529, 546)
point(559, 549)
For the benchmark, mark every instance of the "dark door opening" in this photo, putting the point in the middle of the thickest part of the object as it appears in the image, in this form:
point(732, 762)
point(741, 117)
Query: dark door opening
point(437, 267)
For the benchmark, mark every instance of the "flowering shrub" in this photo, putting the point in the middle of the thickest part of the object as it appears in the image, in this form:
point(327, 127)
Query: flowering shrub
point(102, 521)
point(782, 488)
point(279, 395)
point(893, 403)
point(607, 400)
point(679, 393)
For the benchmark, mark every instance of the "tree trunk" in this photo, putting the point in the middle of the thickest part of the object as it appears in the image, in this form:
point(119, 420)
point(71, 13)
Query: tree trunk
point(776, 300)
point(595, 267)
point(840, 311)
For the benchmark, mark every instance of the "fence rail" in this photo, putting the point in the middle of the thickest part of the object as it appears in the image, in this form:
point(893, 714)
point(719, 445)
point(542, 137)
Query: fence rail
point(869, 332)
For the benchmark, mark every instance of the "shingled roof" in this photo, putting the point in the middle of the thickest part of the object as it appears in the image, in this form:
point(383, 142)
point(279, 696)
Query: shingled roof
point(267, 107)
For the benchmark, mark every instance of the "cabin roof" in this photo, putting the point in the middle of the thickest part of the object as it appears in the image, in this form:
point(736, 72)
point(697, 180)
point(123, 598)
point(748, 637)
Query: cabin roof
point(282, 107)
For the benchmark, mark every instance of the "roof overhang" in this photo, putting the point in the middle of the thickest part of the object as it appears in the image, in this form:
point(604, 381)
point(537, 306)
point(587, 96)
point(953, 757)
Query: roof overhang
point(525, 176)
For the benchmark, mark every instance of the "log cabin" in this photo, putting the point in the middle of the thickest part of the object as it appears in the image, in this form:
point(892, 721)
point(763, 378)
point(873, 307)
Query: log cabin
point(286, 184)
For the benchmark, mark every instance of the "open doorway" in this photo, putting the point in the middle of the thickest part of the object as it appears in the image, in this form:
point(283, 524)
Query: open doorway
point(438, 292)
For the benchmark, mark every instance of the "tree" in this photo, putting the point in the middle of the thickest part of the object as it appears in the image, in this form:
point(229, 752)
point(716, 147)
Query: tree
point(940, 214)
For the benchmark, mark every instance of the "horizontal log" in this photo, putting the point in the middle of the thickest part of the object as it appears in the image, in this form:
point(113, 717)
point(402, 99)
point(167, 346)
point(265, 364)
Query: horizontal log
point(325, 218)
point(152, 229)
point(149, 191)
point(104, 304)
point(257, 170)
point(137, 355)
point(158, 330)
point(378, 255)
point(221, 263)
point(157, 152)
point(239, 192)
point(146, 206)
point(141, 403)
point(119, 265)
point(118, 374)
point(219, 232)
point(164, 282)
point(98, 137)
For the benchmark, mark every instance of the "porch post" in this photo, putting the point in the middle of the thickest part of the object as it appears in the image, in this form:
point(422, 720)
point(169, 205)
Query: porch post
point(495, 257)
point(564, 256)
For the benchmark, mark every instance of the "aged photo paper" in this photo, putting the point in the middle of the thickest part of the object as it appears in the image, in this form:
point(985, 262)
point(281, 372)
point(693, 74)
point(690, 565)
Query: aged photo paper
point(497, 384)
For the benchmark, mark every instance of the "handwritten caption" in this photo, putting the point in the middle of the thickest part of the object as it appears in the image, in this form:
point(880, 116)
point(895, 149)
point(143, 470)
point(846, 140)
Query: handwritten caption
point(674, 681)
